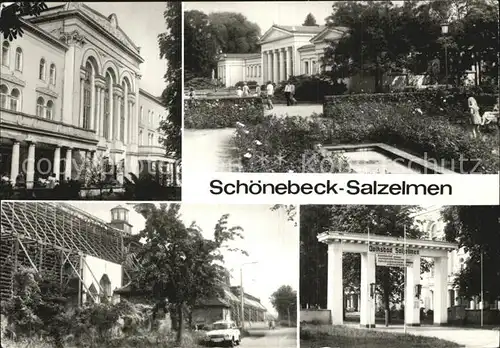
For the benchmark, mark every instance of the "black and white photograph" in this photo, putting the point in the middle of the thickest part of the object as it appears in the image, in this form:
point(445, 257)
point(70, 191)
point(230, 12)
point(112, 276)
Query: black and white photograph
point(87, 104)
point(399, 276)
point(368, 87)
point(104, 274)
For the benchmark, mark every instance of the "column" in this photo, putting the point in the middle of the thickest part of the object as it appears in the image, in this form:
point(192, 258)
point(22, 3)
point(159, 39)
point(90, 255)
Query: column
point(57, 162)
point(116, 117)
point(136, 113)
point(30, 170)
point(111, 112)
point(335, 290)
point(97, 114)
point(440, 290)
point(288, 58)
point(92, 102)
point(269, 76)
point(14, 164)
point(80, 122)
point(275, 67)
point(412, 303)
point(367, 315)
point(125, 114)
point(282, 65)
point(67, 164)
point(101, 112)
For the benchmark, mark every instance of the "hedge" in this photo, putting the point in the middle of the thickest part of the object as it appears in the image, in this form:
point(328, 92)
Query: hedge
point(222, 112)
point(295, 139)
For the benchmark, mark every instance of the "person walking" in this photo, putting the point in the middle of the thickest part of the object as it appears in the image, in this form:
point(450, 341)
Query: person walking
point(288, 94)
point(475, 117)
point(239, 92)
point(257, 91)
point(292, 94)
point(270, 94)
point(246, 90)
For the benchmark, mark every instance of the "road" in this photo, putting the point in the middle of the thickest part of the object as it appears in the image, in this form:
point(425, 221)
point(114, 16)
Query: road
point(278, 338)
point(304, 110)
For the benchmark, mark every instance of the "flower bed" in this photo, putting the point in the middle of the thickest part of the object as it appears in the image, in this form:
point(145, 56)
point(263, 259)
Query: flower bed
point(284, 144)
point(222, 112)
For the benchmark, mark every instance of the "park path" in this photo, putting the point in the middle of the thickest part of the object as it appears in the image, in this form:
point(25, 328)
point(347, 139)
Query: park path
point(468, 337)
point(304, 110)
point(264, 338)
point(209, 150)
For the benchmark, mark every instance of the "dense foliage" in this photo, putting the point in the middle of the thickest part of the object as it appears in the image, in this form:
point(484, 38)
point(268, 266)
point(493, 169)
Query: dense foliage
point(312, 88)
point(310, 21)
point(211, 113)
point(284, 300)
point(382, 37)
point(208, 36)
point(178, 264)
point(11, 14)
point(477, 230)
point(170, 49)
point(290, 144)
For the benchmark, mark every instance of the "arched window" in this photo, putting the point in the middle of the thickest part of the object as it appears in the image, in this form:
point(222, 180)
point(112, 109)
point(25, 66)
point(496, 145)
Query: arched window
point(3, 96)
point(5, 53)
point(86, 97)
point(142, 115)
point(105, 284)
point(40, 107)
point(49, 112)
point(53, 74)
point(140, 138)
point(14, 99)
point(106, 107)
point(41, 72)
point(19, 59)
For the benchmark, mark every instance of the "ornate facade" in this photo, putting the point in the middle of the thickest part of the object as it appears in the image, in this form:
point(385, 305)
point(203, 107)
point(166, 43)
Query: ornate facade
point(285, 51)
point(70, 94)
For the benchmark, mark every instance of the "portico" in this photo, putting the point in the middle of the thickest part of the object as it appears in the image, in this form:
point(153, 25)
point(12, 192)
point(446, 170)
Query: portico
point(379, 250)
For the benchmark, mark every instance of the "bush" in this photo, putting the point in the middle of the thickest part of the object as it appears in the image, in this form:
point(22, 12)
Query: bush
point(291, 144)
point(199, 83)
point(212, 113)
point(312, 88)
point(250, 84)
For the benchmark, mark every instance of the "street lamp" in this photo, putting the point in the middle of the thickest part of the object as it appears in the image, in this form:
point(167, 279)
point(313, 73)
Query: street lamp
point(242, 317)
point(444, 31)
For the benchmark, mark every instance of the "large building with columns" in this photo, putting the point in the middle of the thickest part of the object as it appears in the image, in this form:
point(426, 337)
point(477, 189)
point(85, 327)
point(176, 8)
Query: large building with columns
point(71, 91)
point(284, 51)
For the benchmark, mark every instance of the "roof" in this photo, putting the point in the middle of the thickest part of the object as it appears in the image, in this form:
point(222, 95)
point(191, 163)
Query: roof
point(241, 55)
point(306, 47)
point(119, 207)
point(301, 28)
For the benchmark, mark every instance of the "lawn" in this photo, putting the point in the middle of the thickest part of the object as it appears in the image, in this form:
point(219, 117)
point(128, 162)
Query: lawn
point(317, 336)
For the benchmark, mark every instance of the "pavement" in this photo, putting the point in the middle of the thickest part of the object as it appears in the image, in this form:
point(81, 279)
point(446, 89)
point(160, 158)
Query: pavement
point(304, 110)
point(277, 338)
point(468, 337)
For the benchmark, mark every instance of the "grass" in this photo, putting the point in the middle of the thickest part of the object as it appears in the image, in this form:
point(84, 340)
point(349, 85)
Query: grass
point(316, 336)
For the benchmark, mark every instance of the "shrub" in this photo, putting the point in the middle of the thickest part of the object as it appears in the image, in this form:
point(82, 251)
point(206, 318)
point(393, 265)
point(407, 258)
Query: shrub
point(250, 84)
point(312, 88)
point(199, 83)
point(211, 113)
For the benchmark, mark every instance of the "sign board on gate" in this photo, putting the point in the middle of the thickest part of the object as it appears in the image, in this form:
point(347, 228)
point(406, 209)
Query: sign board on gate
point(392, 260)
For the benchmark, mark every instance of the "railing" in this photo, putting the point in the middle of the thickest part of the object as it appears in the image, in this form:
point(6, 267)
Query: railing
point(19, 119)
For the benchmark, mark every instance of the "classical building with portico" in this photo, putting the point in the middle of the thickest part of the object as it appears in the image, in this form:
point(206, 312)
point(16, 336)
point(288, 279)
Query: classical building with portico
point(71, 93)
point(284, 51)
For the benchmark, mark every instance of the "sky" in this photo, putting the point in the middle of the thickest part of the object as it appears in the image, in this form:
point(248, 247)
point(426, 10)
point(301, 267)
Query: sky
point(265, 14)
point(142, 22)
point(270, 240)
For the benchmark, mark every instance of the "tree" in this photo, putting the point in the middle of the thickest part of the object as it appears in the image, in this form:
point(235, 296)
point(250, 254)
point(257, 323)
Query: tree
point(290, 210)
point(199, 45)
point(314, 219)
point(170, 49)
point(10, 17)
point(176, 263)
point(233, 33)
point(477, 230)
point(284, 300)
point(310, 21)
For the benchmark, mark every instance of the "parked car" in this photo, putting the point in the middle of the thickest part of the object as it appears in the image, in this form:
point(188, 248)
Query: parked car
point(223, 333)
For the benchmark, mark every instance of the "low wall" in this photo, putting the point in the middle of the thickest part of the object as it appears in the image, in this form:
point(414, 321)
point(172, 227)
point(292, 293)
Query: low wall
point(316, 316)
point(222, 112)
point(463, 316)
